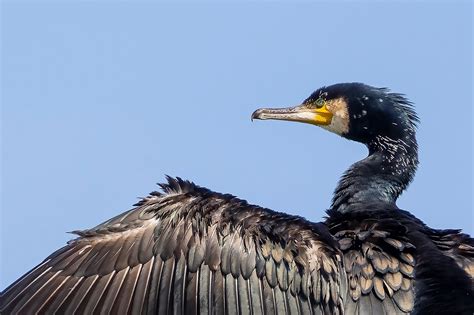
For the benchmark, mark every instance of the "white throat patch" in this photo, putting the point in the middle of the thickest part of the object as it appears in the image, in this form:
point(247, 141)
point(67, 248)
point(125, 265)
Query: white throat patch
point(340, 120)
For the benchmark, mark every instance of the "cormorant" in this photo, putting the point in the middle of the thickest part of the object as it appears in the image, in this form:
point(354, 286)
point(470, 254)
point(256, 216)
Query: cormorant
point(190, 250)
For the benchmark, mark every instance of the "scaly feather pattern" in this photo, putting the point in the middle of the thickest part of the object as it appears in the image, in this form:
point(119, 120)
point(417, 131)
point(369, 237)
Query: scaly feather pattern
point(188, 250)
point(384, 248)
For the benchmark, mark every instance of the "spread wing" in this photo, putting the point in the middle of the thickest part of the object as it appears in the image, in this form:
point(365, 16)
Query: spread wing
point(188, 250)
point(379, 262)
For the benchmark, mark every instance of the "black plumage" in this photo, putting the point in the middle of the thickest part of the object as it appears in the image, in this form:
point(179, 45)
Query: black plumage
point(175, 276)
point(190, 250)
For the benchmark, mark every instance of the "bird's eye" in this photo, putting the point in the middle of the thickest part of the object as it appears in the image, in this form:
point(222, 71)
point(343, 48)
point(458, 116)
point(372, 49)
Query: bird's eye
point(319, 102)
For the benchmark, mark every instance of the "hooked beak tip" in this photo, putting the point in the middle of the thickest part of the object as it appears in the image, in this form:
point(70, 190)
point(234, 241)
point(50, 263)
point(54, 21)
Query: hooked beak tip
point(256, 114)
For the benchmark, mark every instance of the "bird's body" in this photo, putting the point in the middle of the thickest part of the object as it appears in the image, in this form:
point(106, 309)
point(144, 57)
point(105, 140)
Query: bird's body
point(385, 243)
point(191, 250)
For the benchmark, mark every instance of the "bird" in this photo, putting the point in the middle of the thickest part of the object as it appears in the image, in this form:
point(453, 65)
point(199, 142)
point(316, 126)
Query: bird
point(364, 218)
point(188, 249)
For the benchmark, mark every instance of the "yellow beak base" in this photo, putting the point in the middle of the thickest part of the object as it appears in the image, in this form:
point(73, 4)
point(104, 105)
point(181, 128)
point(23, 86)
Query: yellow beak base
point(323, 116)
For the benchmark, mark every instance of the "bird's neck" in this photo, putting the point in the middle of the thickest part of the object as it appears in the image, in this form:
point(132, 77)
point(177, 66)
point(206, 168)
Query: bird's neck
point(379, 178)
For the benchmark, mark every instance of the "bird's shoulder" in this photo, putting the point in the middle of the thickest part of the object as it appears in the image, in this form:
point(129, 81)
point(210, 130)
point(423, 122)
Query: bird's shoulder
point(457, 245)
point(379, 260)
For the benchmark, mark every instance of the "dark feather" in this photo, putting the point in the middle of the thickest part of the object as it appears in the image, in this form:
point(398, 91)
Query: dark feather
point(154, 285)
point(247, 265)
point(191, 305)
point(166, 286)
point(125, 296)
point(256, 293)
point(177, 284)
point(292, 303)
point(218, 294)
point(280, 301)
point(142, 287)
point(91, 302)
point(224, 255)
point(77, 297)
point(271, 272)
point(365, 305)
point(205, 289)
point(404, 300)
point(62, 295)
point(268, 303)
point(243, 295)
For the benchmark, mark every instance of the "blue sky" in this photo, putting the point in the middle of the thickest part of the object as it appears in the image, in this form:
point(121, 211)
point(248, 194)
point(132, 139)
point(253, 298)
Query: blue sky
point(101, 99)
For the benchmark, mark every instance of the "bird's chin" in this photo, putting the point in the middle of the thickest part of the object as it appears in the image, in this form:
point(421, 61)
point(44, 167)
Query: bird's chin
point(338, 126)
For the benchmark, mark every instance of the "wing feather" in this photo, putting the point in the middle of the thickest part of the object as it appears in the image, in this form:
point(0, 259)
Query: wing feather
point(268, 302)
point(142, 288)
point(176, 296)
point(62, 295)
point(20, 288)
point(188, 251)
point(205, 289)
point(154, 285)
point(166, 286)
point(255, 292)
point(113, 290)
point(378, 259)
point(79, 295)
point(231, 300)
point(192, 293)
point(125, 296)
point(243, 295)
point(280, 301)
point(218, 293)
point(94, 296)
point(41, 297)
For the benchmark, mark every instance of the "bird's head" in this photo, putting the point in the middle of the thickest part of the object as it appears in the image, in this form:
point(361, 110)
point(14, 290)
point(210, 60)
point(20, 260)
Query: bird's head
point(353, 110)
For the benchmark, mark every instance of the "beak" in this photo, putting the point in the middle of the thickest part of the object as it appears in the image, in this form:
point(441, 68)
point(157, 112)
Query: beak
point(301, 113)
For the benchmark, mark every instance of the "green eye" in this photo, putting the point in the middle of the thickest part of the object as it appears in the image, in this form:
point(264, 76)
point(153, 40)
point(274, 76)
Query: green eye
point(319, 102)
